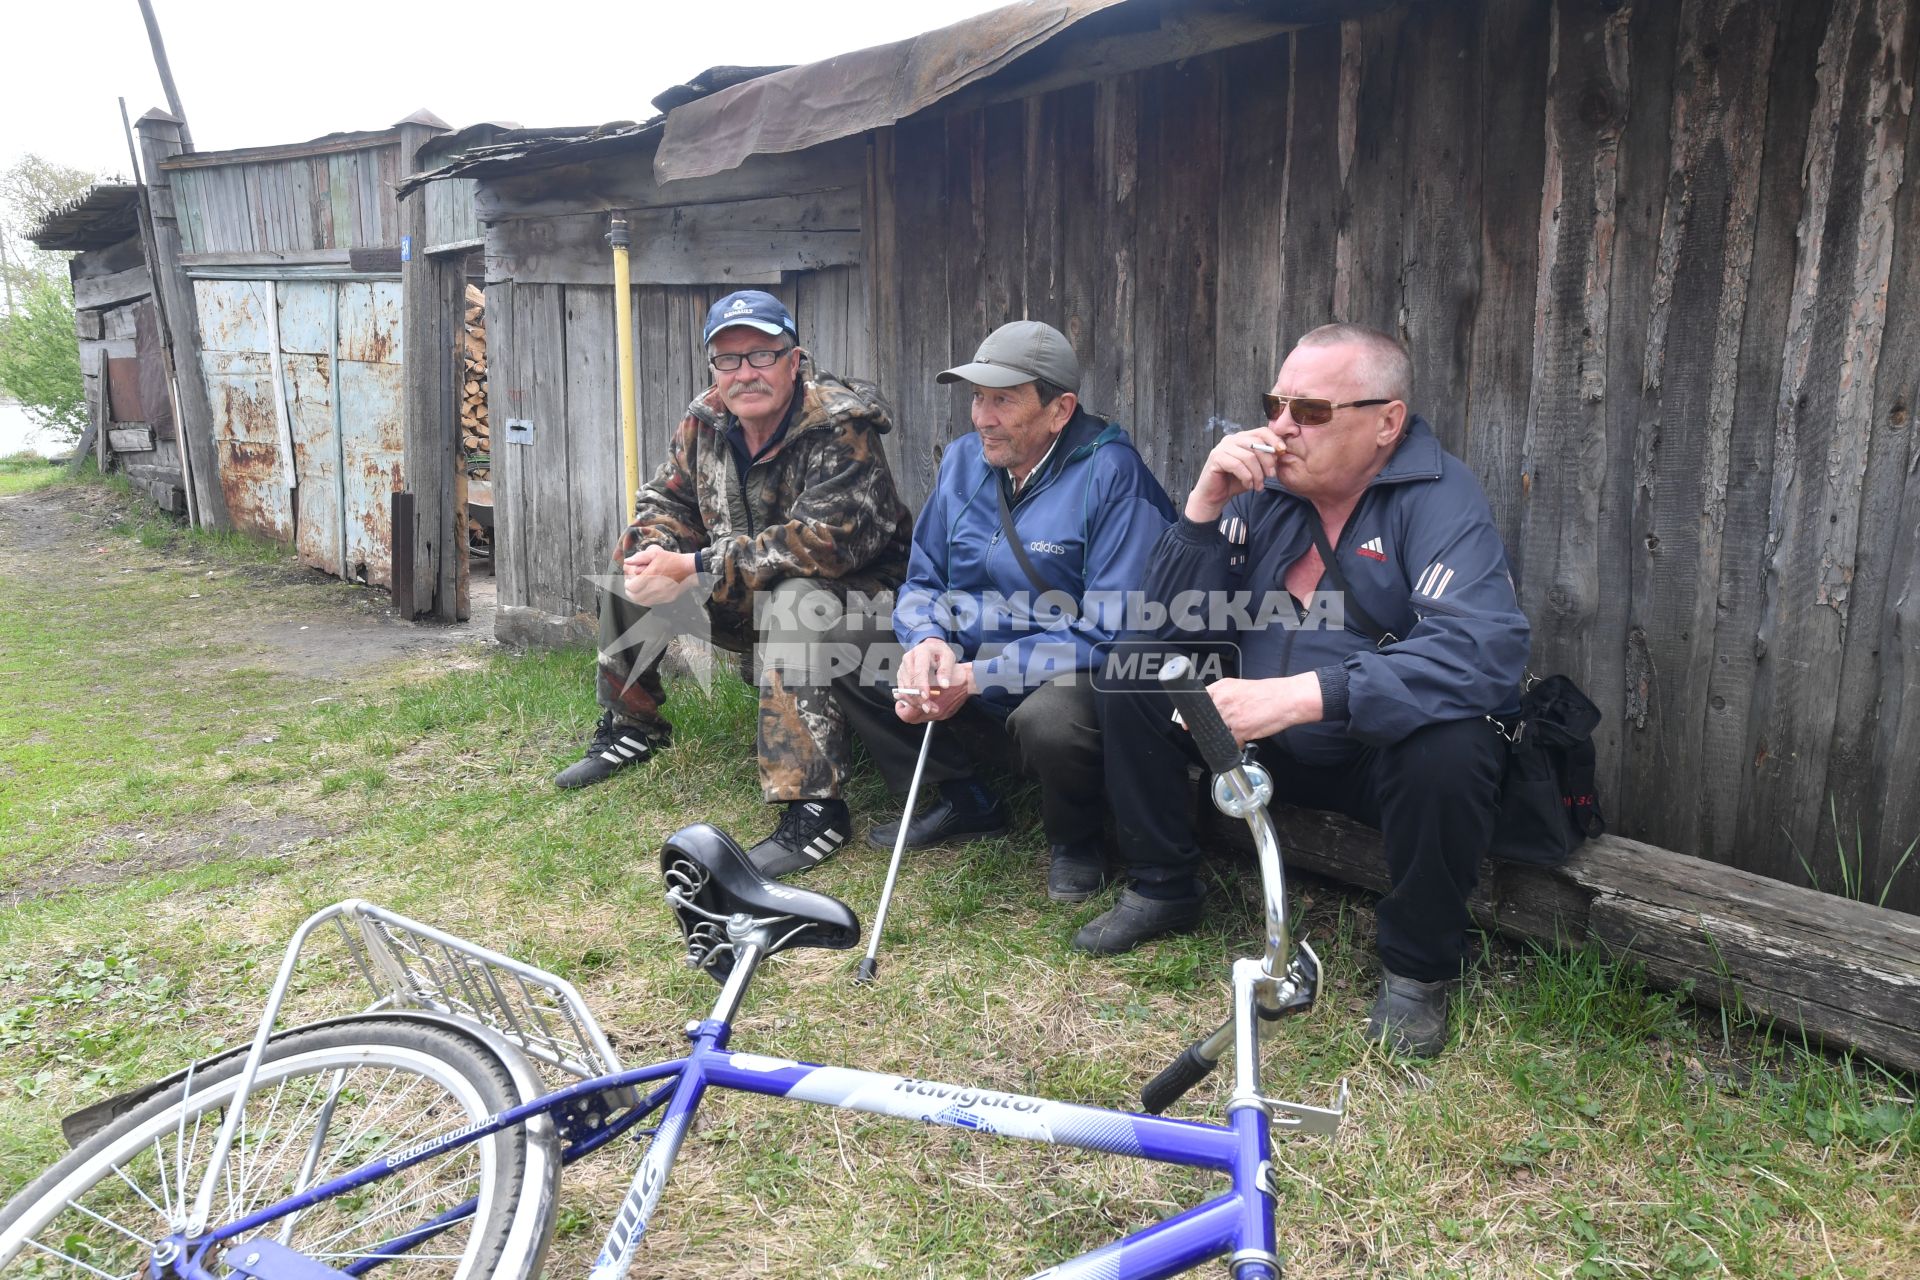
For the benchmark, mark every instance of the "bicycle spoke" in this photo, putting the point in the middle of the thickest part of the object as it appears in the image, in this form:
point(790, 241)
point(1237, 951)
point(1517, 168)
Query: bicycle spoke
point(328, 1099)
point(109, 1222)
point(432, 1193)
point(84, 1266)
point(137, 1190)
point(160, 1165)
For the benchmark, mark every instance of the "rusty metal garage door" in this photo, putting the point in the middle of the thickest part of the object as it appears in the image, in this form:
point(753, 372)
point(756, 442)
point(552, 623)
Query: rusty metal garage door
point(305, 381)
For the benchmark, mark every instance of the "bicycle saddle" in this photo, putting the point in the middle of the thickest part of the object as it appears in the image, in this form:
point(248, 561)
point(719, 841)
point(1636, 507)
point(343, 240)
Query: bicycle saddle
point(709, 880)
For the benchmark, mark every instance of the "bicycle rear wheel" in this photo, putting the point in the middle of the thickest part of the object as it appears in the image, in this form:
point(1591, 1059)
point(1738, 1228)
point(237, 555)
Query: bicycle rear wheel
point(326, 1101)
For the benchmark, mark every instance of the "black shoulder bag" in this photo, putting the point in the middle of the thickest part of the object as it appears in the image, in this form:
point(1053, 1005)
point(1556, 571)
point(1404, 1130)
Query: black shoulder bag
point(1549, 804)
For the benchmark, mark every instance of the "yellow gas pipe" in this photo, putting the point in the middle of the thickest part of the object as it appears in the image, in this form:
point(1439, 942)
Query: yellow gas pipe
point(623, 335)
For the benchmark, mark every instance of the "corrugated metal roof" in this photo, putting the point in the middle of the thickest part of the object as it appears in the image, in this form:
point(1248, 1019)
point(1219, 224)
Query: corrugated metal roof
point(104, 215)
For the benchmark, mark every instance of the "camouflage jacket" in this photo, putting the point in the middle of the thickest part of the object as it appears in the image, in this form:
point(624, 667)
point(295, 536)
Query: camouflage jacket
point(821, 505)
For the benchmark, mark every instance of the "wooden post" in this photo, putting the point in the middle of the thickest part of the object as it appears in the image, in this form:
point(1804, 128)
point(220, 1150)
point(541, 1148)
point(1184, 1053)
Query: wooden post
point(432, 435)
point(159, 47)
point(159, 139)
point(401, 580)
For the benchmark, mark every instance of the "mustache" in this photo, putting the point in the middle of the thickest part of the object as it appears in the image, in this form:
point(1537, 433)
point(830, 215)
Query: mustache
point(748, 388)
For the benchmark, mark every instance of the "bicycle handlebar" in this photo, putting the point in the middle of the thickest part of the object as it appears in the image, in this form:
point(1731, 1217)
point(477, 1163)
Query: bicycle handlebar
point(1197, 712)
point(1289, 980)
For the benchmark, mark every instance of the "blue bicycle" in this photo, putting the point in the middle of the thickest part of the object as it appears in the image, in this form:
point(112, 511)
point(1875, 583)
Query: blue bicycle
point(426, 1137)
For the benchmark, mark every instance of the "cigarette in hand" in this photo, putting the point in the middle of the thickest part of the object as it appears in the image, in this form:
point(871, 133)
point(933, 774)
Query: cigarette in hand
point(903, 691)
point(1261, 446)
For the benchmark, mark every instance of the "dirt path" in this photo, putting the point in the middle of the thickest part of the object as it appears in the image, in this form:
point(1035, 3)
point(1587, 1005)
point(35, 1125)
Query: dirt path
point(295, 620)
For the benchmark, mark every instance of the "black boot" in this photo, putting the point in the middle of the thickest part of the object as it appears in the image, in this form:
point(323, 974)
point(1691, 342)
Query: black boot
point(1409, 1017)
point(965, 811)
point(1135, 919)
point(810, 832)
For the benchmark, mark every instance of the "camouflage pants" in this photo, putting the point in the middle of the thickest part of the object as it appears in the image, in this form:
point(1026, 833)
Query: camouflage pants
point(803, 633)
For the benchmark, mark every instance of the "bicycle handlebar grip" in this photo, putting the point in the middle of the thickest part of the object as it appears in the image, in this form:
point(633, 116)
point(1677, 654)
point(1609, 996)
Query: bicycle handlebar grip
point(1202, 718)
point(1167, 1088)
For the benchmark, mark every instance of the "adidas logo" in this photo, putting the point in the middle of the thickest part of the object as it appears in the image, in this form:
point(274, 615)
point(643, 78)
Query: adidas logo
point(1374, 550)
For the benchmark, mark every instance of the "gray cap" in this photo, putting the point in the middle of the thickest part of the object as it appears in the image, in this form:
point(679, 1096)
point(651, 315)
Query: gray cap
point(1023, 351)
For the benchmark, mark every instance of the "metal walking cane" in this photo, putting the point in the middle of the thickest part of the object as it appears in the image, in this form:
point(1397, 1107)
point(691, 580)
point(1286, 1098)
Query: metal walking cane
point(871, 966)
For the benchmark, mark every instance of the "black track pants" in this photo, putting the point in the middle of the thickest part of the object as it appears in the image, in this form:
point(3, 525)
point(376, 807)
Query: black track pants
point(1432, 795)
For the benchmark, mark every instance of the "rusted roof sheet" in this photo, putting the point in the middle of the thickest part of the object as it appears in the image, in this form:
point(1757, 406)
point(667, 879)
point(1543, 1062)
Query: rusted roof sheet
point(516, 149)
point(710, 81)
point(794, 108)
point(804, 106)
point(104, 215)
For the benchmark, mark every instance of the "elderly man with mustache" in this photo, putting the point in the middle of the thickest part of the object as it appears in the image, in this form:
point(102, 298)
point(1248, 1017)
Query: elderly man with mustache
point(777, 499)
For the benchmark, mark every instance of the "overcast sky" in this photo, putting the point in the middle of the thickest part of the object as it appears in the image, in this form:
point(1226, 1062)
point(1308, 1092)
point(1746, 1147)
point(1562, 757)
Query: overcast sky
point(264, 72)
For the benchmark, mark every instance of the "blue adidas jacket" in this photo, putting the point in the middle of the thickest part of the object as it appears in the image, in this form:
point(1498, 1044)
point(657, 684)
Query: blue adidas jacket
point(1089, 521)
point(1421, 554)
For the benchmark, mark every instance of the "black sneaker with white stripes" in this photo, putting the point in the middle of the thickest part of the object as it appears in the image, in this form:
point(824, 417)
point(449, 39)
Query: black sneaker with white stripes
point(614, 747)
point(810, 832)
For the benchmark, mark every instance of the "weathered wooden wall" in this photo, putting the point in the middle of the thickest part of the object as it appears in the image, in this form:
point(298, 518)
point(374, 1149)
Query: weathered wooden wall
point(1657, 262)
point(557, 497)
point(316, 196)
point(114, 321)
point(1657, 265)
point(788, 224)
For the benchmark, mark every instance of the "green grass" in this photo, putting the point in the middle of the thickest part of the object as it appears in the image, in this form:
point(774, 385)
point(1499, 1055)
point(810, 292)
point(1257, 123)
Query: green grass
point(26, 471)
point(1581, 1125)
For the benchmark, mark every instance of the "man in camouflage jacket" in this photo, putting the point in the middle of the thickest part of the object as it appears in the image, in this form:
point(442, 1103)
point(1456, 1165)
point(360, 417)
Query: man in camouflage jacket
point(774, 508)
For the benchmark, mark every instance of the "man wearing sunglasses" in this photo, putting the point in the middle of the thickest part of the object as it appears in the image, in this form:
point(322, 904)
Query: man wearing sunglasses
point(777, 499)
point(1377, 630)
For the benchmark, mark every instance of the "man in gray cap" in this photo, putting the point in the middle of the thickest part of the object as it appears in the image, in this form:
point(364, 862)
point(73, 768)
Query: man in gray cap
point(1039, 524)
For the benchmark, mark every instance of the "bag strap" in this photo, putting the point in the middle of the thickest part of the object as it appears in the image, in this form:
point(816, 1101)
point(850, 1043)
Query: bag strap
point(1379, 634)
point(1040, 585)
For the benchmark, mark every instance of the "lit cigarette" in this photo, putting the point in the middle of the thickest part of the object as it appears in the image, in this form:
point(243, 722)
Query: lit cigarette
point(904, 691)
point(1262, 446)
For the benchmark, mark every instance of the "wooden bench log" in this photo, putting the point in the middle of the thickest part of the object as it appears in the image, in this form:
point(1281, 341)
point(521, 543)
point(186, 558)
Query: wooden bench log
point(1845, 973)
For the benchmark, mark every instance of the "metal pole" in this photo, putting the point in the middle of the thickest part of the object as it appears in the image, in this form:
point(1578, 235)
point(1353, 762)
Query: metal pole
point(870, 966)
point(617, 236)
point(166, 73)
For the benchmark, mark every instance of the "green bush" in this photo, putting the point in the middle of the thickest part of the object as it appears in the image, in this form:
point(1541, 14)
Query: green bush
point(40, 359)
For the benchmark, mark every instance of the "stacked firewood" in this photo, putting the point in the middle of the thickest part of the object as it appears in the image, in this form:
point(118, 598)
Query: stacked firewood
point(476, 438)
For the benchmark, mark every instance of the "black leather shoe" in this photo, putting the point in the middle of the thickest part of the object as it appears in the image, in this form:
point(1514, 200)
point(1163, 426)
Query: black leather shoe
point(1409, 1017)
point(1075, 872)
point(1135, 919)
point(943, 824)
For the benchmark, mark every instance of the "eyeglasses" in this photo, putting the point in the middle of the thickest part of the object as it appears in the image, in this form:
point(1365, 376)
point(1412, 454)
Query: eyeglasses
point(1309, 411)
point(756, 359)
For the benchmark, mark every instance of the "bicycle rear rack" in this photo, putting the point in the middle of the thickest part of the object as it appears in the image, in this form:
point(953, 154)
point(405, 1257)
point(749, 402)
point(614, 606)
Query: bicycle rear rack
point(409, 965)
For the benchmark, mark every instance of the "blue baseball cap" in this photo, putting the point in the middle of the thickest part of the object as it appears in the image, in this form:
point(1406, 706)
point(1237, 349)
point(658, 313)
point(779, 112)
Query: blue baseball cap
point(752, 308)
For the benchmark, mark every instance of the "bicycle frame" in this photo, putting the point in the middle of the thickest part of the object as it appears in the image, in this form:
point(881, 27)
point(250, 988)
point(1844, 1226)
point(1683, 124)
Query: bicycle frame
point(543, 1016)
point(1238, 1223)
